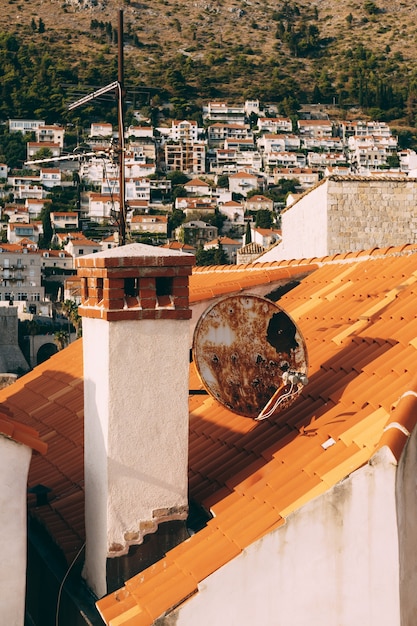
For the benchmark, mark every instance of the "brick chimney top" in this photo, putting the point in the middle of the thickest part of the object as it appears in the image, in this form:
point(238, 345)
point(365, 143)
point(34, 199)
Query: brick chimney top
point(135, 282)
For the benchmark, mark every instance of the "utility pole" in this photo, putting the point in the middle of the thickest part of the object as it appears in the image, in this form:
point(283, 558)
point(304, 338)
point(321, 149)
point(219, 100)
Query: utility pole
point(121, 128)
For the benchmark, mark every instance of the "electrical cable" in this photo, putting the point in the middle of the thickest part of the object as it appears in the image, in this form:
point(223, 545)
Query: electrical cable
point(296, 380)
point(278, 401)
point(63, 583)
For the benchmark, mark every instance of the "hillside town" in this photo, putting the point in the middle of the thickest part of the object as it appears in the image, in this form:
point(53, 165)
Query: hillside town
point(220, 188)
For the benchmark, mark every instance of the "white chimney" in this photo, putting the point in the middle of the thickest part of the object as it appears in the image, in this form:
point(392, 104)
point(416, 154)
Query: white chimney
point(136, 357)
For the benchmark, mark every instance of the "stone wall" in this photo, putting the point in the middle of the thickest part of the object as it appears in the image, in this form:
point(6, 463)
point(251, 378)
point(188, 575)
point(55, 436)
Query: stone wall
point(364, 213)
point(11, 357)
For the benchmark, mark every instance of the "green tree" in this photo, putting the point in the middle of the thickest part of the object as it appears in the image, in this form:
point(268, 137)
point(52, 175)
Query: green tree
point(70, 310)
point(12, 148)
point(215, 219)
point(393, 161)
point(370, 7)
point(179, 192)
point(264, 219)
point(177, 177)
point(248, 234)
point(61, 338)
point(45, 239)
point(213, 256)
point(220, 256)
point(43, 153)
point(223, 181)
point(175, 219)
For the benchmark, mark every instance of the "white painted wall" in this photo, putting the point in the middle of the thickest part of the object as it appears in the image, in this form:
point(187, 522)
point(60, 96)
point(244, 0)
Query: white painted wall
point(334, 563)
point(14, 467)
point(407, 530)
point(304, 228)
point(136, 433)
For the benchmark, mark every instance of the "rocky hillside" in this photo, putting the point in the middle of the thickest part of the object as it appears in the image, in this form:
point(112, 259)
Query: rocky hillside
point(289, 52)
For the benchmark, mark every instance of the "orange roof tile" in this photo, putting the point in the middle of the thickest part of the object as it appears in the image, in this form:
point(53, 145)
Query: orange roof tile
point(361, 395)
point(297, 467)
point(21, 434)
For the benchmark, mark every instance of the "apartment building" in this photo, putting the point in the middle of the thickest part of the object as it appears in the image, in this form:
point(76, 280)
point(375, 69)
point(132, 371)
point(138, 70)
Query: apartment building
point(20, 274)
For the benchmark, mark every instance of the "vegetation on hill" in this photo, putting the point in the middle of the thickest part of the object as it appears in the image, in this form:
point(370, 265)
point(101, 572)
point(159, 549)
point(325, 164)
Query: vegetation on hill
point(287, 52)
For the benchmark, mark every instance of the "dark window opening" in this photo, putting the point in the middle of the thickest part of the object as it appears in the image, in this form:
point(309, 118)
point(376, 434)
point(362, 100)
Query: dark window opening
point(163, 286)
point(99, 289)
point(131, 287)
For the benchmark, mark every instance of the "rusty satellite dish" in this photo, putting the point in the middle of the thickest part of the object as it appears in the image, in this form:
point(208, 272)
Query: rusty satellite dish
point(250, 355)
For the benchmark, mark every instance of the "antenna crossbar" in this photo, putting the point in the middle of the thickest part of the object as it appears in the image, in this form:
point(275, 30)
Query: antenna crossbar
point(94, 94)
point(64, 157)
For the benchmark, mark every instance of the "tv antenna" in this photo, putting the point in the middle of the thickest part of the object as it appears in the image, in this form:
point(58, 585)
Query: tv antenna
point(250, 355)
point(118, 87)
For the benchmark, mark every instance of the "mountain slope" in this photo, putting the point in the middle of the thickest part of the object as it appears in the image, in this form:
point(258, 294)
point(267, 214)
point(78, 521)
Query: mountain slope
point(354, 53)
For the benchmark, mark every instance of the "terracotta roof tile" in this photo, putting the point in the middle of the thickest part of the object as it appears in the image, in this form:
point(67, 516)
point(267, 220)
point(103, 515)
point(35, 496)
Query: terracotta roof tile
point(21, 434)
point(357, 316)
point(198, 555)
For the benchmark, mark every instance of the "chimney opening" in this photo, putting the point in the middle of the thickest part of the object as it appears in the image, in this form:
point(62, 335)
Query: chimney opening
point(164, 290)
point(131, 287)
point(163, 285)
point(99, 289)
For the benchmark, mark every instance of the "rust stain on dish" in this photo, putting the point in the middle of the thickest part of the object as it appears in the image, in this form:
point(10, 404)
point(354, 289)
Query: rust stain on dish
point(243, 345)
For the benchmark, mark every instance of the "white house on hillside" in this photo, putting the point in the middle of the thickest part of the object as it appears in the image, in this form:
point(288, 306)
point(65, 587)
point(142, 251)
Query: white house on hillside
point(64, 219)
point(33, 148)
point(184, 131)
point(275, 124)
point(242, 182)
point(53, 133)
point(24, 126)
point(102, 129)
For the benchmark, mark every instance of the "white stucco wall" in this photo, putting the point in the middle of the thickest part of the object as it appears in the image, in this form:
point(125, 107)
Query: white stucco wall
point(407, 530)
point(14, 467)
point(334, 563)
point(304, 228)
point(136, 433)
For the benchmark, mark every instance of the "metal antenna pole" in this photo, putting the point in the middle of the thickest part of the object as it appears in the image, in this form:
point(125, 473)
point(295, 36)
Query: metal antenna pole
point(120, 107)
point(119, 87)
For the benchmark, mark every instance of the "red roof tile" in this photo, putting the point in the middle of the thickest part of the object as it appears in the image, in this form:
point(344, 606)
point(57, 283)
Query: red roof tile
point(21, 434)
